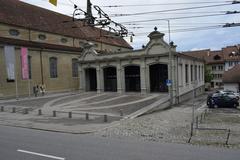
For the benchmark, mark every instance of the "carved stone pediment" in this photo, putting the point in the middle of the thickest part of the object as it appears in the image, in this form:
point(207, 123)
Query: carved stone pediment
point(89, 54)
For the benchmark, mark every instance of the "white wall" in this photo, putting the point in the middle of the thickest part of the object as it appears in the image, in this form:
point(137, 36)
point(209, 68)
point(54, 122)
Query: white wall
point(231, 86)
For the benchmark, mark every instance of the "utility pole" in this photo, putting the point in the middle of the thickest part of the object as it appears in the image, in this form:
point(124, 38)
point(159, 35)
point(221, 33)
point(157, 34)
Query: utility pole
point(89, 16)
point(171, 64)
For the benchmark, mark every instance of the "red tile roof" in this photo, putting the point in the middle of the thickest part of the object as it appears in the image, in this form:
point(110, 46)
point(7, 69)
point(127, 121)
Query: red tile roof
point(232, 75)
point(15, 12)
point(18, 42)
point(230, 53)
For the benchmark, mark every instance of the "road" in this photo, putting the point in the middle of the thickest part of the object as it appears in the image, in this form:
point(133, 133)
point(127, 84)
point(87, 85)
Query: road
point(27, 144)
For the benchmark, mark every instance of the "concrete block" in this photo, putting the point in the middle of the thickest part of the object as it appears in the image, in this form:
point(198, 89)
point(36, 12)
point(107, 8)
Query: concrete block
point(2, 108)
point(105, 118)
point(87, 116)
point(14, 110)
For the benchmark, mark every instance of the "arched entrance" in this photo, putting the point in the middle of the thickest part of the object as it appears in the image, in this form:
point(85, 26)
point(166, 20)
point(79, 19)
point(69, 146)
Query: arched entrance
point(132, 79)
point(91, 79)
point(158, 77)
point(110, 79)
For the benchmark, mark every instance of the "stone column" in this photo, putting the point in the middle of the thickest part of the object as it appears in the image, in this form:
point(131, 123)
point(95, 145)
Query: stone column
point(147, 79)
point(119, 78)
point(99, 79)
point(143, 76)
point(81, 78)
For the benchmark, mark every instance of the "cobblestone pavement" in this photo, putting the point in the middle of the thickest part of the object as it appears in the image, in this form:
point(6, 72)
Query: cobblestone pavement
point(214, 129)
point(173, 125)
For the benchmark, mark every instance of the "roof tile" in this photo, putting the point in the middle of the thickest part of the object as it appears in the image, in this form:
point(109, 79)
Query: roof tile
point(15, 12)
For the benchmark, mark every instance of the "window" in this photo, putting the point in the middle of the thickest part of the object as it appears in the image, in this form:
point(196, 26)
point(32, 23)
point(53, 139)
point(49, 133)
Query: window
point(74, 67)
point(217, 57)
point(42, 36)
point(199, 73)
point(220, 68)
point(186, 73)
point(13, 32)
point(214, 68)
point(195, 72)
point(191, 73)
point(30, 67)
point(180, 75)
point(53, 67)
point(64, 40)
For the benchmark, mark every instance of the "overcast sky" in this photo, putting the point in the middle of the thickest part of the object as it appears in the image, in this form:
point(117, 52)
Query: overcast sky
point(185, 40)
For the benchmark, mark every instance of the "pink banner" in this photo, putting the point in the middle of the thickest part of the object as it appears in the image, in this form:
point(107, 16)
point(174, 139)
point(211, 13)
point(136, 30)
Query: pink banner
point(24, 60)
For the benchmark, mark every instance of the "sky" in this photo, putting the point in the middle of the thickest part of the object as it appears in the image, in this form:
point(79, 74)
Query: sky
point(186, 40)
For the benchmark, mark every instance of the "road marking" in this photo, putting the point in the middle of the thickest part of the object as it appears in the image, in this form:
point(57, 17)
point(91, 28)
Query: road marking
point(39, 154)
point(203, 106)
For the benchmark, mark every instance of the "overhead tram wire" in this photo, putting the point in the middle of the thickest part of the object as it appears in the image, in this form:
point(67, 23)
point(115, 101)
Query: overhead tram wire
point(164, 4)
point(186, 17)
point(172, 24)
point(197, 28)
point(177, 9)
point(119, 15)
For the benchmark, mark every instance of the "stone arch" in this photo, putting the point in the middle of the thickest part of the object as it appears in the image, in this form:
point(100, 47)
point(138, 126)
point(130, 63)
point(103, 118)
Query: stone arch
point(91, 79)
point(158, 74)
point(132, 78)
point(110, 78)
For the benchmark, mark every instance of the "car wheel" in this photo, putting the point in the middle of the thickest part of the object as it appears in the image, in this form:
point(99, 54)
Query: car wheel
point(235, 105)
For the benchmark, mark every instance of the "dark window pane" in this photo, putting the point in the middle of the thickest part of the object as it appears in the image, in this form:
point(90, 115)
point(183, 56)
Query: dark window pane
point(74, 68)
point(53, 67)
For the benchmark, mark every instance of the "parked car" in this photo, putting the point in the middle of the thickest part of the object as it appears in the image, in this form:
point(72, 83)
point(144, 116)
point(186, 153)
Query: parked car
point(230, 93)
point(222, 100)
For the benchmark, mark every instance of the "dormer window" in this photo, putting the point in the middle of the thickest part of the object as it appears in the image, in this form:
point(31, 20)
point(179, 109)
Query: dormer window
point(42, 37)
point(232, 54)
point(13, 32)
point(217, 57)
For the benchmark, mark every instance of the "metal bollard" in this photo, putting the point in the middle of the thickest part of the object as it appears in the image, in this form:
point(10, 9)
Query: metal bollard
point(228, 135)
point(87, 116)
point(205, 114)
point(2, 108)
point(14, 110)
point(121, 112)
point(39, 112)
point(105, 118)
point(69, 114)
point(25, 111)
point(54, 114)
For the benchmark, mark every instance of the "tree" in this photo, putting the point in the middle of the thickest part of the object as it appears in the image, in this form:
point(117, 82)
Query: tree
point(208, 75)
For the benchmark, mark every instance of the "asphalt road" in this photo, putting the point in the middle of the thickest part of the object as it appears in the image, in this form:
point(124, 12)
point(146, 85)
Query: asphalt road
point(27, 144)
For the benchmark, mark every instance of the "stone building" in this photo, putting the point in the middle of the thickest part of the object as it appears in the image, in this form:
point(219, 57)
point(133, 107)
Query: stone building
point(231, 79)
point(66, 55)
point(54, 43)
point(146, 70)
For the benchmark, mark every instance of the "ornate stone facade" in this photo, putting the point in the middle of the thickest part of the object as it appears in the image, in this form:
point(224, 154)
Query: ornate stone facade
point(145, 70)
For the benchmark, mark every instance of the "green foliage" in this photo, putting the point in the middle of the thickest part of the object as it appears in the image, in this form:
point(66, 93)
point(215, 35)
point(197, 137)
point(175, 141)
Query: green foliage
point(208, 75)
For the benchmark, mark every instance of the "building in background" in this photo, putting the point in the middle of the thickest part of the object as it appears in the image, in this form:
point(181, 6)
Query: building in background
point(218, 61)
point(231, 79)
point(54, 43)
